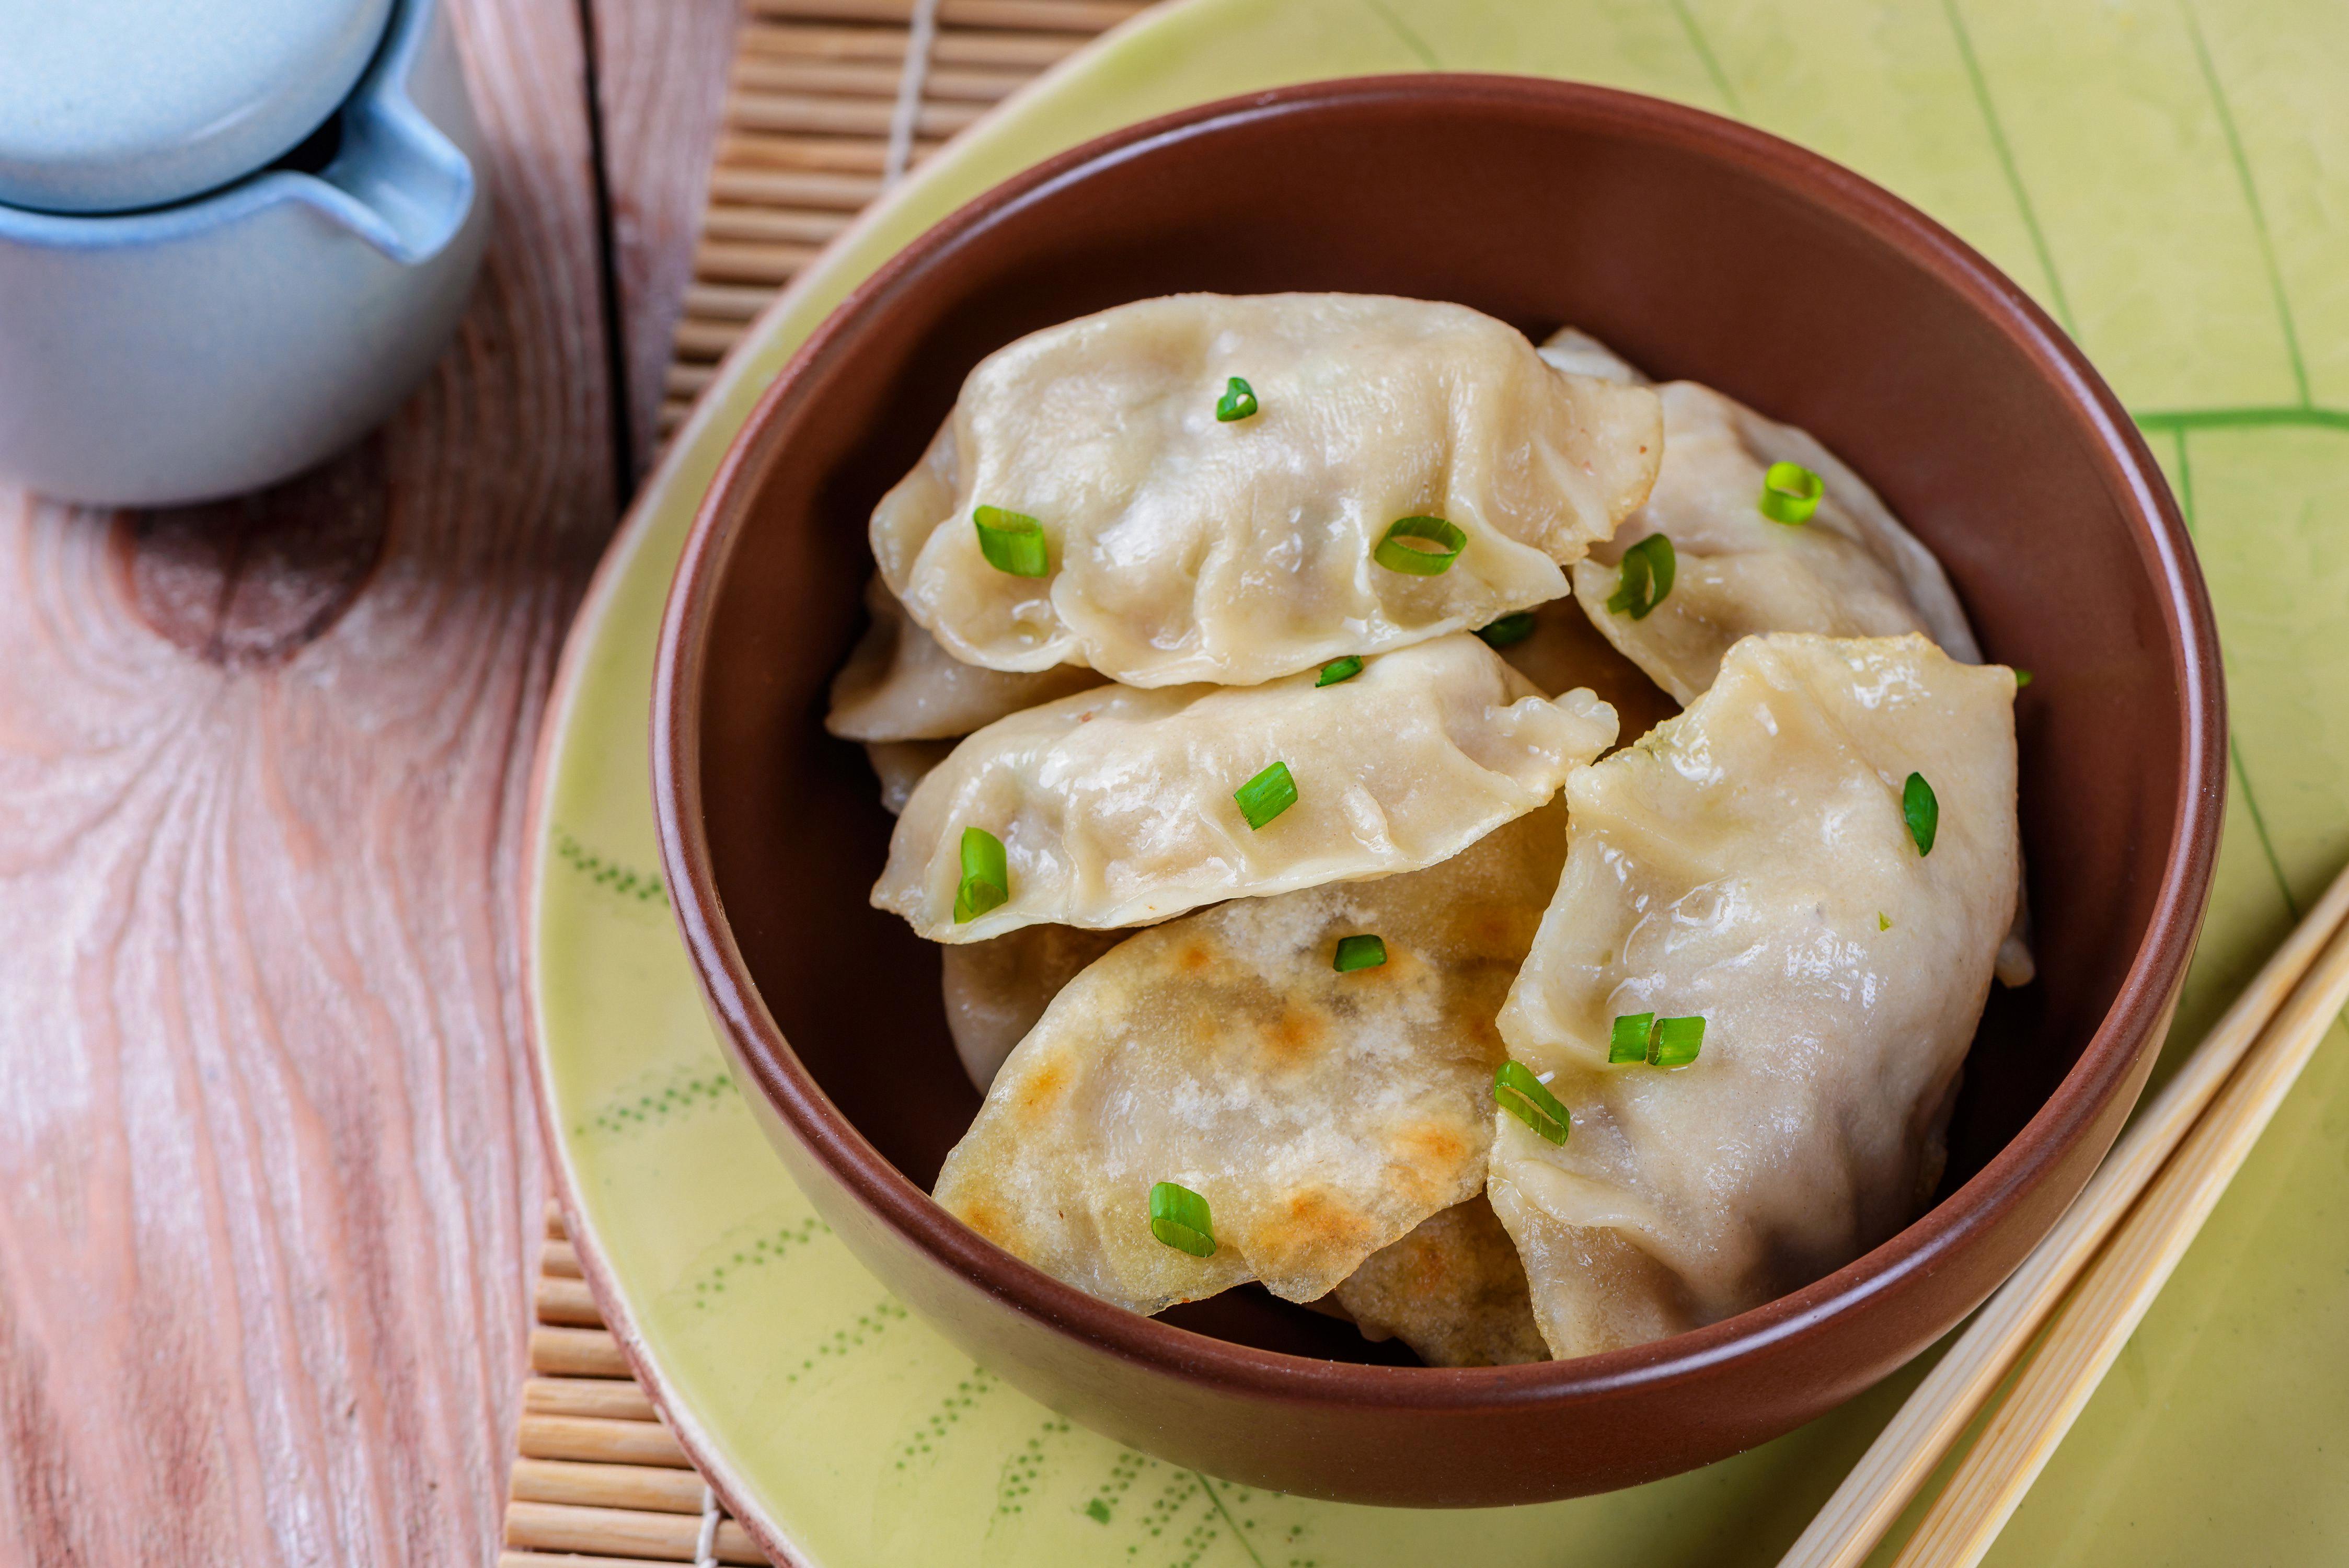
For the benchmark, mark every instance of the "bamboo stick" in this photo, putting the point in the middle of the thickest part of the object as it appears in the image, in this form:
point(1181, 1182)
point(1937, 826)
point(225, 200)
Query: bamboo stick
point(554, 1221)
point(769, 263)
point(707, 341)
point(763, 224)
point(562, 1527)
point(956, 46)
point(847, 193)
point(649, 1487)
point(726, 301)
point(572, 1560)
point(2113, 1296)
point(1058, 15)
point(567, 1302)
point(759, 73)
point(803, 112)
point(1872, 1496)
point(598, 1441)
point(615, 1399)
point(576, 1353)
point(559, 1258)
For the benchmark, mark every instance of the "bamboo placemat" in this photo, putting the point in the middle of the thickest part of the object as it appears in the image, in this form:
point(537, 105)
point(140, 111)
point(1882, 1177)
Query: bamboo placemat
point(831, 101)
point(828, 102)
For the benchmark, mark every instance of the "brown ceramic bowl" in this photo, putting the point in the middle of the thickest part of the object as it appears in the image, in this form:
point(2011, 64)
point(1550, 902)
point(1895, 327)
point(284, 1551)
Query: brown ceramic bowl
point(1697, 247)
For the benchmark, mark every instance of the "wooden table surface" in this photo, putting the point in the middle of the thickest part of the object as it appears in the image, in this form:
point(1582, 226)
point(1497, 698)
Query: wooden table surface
point(270, 1175)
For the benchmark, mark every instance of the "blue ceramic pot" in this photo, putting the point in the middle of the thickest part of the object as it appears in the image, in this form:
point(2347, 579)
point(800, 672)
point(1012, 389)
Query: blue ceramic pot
point(223, 341)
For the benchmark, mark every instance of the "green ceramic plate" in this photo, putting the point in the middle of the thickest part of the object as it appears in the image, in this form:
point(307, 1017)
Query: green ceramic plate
point(2167, 181)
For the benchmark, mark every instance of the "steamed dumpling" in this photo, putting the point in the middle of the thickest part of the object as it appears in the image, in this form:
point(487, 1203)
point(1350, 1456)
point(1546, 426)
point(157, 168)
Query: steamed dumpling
point(900, 765)
point(1115, 806)
point(1851, 570)
point(997, 989)
point(1183, 548)
point(1748, 862)
point(1452, 1290)
point(899, 685)
point(1322, 1114)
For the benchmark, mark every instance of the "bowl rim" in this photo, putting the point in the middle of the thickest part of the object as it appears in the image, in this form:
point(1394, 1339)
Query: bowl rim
point(2138, 1011)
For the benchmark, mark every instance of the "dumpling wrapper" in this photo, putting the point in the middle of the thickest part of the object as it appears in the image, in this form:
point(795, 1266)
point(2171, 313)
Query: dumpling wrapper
point(900, 765)
point(996, 990)
point(1115, 806)
point(1322, 1116)
point(1184, 549)
point(899, 685)
point(1851, 570)
point(1748, 862)
point(1452, 1290)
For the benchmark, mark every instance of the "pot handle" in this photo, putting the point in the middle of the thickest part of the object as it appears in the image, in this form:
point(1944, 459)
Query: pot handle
point(398, 182)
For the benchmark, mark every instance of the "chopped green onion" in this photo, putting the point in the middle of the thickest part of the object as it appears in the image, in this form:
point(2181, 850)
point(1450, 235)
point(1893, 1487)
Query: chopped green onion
point(1337, 670)
point(1883, 920)
point(1678, 1040)
point(1179, 1218)
point(1359, 953)
point(2021, 679)
point(1012, 541)
point(1267, 795)
point(1921, 811)
point(1237, 402)
point(986, 877)
point(1790, 493)
point(1397, 553)
point(1508, 629)
point(1649, 567)
point(1524, 1096)
point(1628, 1043)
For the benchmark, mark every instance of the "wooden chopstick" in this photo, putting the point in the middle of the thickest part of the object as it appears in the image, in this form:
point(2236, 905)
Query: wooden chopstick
point(2112, 1296)
point(1848, 1529)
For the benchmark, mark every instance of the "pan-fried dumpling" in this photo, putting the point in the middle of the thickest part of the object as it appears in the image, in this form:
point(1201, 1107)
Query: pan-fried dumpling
point(1322, 1114)
point(1452, 1290)
point(1181, 547)
point(1115, 807)
point(1564, 650)
point(899, 685)
point(1749, 863)
point(997, 989)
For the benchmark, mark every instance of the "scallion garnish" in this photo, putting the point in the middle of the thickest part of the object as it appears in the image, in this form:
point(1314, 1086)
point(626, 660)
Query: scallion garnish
point(1647, 569)
point(1012, 541)
point(2021, 679)
point(1628, 1043)
point(1921, 811)
point(1883, 920)
point(1337, 670)
point(1524, 1096)
point(1179, 1218)
point(986, 876)
point(1237, 402)
point(1267, 795)
point(1678, 1040)
point(1397, 552)
point(1359, 953)
point(1508, 629)
point(1790, 493)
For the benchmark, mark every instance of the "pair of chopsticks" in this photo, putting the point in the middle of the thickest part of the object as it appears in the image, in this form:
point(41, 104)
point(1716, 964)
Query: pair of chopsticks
point(2089, 1282)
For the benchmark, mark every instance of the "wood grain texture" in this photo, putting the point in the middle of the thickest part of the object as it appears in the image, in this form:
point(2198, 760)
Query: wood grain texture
point(660, 71)
point(269, 1170)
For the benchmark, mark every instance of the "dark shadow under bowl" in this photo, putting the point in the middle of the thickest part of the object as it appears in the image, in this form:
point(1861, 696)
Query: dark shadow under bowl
point(1698, 248)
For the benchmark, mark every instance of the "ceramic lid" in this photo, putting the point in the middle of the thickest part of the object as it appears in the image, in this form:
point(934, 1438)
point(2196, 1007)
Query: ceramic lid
point(108, 104)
